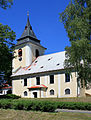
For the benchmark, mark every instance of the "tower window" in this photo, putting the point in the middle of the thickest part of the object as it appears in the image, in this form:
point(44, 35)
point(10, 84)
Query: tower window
point(36, 53)
point(19, 52)
point(67, 91)
point(52, 92)
point(67, 77)
point(25, 82)
point(37, 80)
point(51, 79)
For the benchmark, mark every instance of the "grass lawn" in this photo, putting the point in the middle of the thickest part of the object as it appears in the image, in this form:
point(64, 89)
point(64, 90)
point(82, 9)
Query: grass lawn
point(30, 115)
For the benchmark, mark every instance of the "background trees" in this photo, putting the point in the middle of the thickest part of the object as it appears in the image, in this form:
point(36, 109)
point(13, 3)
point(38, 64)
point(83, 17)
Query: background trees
point(6, 3)
point(7, 37)
point(77, 22)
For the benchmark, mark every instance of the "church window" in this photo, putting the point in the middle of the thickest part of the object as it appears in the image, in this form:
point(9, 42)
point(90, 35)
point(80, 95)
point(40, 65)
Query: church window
point(58, 64)
point(19, 52)
point(49, 59)
point(67, 77)
point(25, 82)
point(20, 58)
point(41, 66)
point(36, 61)
point(36, 53)
point(25, 93)
point(37, 80)
point(29, 69)
point(51, 79)
point(67, 91)
point(52, 92)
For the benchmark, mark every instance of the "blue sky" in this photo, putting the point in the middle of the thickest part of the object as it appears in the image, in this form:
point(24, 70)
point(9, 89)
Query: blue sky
point(44, 18)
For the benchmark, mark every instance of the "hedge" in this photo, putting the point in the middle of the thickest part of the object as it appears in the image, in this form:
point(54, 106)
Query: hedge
point(44, 106)
point(9, 96)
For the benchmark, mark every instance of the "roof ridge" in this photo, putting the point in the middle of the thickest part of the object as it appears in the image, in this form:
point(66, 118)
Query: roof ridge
point(52, 53)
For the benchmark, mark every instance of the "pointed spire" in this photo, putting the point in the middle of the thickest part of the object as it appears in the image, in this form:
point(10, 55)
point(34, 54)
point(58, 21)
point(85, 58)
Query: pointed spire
point(28, 29)
point(28, 22)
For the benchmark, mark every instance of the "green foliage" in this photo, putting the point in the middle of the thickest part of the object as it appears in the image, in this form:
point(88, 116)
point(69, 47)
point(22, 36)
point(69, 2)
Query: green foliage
point(7, 37)
point(77, 22)
point(9, 96)
point(12, 96)
point(6, 3)
point(28, 105)
point(44, 106)
point(74, 105)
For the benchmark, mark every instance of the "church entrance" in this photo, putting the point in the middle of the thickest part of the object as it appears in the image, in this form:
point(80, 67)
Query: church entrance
point(35, 94)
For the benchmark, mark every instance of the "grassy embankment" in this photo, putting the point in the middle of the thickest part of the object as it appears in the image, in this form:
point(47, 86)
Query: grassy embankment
point(32, 115)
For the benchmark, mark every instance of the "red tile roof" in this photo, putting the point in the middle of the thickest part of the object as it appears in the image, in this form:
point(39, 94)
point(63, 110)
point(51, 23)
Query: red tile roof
point(6, 87)
point(38, 86)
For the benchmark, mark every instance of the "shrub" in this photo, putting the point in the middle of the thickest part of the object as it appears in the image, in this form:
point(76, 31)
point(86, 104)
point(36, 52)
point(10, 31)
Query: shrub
point(74, 105)
point(44, 106)
point(12, 96)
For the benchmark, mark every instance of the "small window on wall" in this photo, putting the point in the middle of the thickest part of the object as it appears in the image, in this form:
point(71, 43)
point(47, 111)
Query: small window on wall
point(37, 80)
point(51, 79)
point(25, 93)
point(51, 92)
point(67, 77)
point(67, 91)
point(36, 53)
point(25, 82)
point(19, 52)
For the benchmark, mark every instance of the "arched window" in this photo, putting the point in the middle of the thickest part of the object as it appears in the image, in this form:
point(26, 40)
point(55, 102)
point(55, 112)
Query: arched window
point(25, 93)
point(36, 53)
point(19, 52)
point(67, 91)
point(52, 92)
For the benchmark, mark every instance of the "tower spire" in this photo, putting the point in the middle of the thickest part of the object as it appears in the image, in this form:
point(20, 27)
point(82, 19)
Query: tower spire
point(28, 22)
point(28, 29)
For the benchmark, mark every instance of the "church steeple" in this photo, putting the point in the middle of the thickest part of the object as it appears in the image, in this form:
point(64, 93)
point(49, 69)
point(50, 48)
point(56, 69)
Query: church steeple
point(28, 29)
point(27, 49)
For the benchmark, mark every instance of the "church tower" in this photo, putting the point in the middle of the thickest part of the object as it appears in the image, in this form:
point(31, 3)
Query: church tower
point(27, 49)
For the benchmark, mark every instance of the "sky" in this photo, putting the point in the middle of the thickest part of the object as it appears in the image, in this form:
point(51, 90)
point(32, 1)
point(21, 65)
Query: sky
point(44, 19)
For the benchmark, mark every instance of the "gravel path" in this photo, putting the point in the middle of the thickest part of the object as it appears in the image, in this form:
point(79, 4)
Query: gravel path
point(74, 111)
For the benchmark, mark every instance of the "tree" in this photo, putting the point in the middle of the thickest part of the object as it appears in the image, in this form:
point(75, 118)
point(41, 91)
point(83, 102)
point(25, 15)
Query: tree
point(7, 37)
point(77, 22)
point(6, 3)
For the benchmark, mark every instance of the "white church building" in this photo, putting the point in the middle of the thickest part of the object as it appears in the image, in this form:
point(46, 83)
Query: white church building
point(36, 75)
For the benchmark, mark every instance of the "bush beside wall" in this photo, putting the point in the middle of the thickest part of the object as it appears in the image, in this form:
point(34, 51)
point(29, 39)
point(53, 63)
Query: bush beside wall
point(44, 106)
point(9, 96)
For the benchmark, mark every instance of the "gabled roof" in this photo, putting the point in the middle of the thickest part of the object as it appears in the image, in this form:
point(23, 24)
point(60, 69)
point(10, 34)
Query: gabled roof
point(45, 63)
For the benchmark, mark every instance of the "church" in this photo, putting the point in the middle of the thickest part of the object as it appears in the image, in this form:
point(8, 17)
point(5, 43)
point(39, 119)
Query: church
point(36, 75)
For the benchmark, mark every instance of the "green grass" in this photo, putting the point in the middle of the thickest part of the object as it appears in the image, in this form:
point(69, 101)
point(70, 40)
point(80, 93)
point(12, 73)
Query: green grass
point(30, 115)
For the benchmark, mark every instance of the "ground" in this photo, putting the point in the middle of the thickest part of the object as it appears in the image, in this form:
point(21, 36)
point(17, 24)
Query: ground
point(32, 115)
